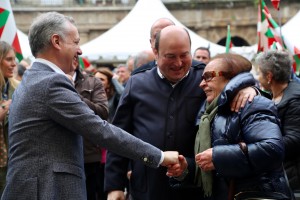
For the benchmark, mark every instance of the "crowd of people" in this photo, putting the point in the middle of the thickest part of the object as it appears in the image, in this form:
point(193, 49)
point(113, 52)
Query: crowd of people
point(169, 124)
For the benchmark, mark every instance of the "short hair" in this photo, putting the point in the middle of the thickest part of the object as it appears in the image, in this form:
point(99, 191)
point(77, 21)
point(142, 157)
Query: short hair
point(233, 64)
point(277, 62)
point(204, 49)
point(44, 26)
point(21, 69)
point(157, 39)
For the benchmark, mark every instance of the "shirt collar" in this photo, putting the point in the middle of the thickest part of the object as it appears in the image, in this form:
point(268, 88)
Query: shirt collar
point(50, 64)
point(172, 84)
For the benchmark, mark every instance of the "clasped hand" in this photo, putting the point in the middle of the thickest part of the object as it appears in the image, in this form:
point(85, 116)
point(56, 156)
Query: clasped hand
point(176, 169)
point(204, 160)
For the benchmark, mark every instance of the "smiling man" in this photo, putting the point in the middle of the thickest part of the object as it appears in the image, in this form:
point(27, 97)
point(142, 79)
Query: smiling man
point(160, 106)
point(48, 119)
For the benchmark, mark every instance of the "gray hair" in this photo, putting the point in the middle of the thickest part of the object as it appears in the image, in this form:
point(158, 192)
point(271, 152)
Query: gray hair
point(44, 26)
point(279, 63)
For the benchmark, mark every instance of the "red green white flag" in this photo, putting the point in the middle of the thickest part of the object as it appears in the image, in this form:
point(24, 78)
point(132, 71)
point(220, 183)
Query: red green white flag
point(228, 40)
point(8, 28)
point(269, 35)
point(84, 63)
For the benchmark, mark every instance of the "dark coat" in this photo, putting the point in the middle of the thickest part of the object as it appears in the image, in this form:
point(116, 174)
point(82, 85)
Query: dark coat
point(289, 114)
point(91, 91)
point(257, 124)
point(152, 110)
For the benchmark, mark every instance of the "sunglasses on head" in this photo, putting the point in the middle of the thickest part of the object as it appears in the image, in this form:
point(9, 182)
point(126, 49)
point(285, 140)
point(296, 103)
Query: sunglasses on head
point(209, 75)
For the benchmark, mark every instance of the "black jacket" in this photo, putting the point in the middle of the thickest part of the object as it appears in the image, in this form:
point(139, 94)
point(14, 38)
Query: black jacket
point(289, 114)
point(257, 124)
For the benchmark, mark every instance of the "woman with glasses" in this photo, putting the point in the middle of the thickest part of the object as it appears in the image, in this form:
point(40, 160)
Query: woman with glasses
point(7, 86)
point(237, 151)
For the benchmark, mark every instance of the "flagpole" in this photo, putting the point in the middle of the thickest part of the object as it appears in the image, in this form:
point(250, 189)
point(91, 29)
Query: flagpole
point(279, 21)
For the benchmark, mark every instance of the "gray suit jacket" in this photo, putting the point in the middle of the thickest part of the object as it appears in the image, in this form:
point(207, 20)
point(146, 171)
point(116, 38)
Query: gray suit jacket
point(47, 119)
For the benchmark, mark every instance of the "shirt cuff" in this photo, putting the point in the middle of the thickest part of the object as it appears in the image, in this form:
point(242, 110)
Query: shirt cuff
point(161, 158)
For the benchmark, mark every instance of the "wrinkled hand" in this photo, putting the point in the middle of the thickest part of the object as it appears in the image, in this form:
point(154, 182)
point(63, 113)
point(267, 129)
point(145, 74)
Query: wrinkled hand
point(204, 160)
point(116, 195)
point(240, 100)
point(177, 169)
point(170, 158)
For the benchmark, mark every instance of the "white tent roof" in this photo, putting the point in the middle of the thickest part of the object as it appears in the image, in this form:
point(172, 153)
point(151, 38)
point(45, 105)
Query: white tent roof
point(132, 34)
point(291, 29)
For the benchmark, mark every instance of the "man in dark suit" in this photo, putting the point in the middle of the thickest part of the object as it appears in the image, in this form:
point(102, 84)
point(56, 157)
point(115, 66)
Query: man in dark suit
point(48, 119)
point(167, 98)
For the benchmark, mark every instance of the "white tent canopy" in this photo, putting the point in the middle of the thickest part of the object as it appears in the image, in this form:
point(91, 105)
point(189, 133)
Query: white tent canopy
point(131, 35)
point(291, 30)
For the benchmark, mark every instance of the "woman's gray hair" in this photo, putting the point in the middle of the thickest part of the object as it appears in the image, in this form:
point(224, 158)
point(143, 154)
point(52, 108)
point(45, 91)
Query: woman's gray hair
point(44, 26)
point(279, 63)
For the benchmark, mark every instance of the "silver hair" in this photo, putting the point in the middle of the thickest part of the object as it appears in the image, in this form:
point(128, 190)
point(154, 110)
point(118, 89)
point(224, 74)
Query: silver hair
point(279, 63)
point(44, 26)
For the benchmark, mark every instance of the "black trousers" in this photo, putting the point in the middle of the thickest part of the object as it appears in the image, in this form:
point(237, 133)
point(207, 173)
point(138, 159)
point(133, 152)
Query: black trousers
point(94, 173)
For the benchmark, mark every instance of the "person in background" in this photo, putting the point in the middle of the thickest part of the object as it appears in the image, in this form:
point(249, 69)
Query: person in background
point(8, 85)
point(274, 72)
point(202, 54)
point(165, 98)
point(91, 91)
point(113, 90)
point(130, 63)
point(237, 151)
point(47, 120)
point(155, 28)
point(20, 71)
point(143, 58)
point(123, 74)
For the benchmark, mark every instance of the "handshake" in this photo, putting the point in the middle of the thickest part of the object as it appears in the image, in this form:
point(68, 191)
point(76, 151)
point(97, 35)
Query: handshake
point(175, 163)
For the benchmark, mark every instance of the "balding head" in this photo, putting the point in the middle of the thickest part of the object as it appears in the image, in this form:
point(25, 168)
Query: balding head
point(173, 52)
point(172, 34)
point(157, 26)
point(143, 57)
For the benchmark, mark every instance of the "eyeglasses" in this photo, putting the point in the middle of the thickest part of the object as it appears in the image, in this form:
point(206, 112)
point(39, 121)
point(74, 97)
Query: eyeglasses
point(209, 75)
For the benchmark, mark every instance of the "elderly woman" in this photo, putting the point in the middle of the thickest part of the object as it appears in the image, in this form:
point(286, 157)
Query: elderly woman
point(7, 85)
point(274, 69)
point(237, 151)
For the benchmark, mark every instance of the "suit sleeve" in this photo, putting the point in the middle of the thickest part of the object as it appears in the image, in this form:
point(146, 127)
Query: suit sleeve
point(66, 109)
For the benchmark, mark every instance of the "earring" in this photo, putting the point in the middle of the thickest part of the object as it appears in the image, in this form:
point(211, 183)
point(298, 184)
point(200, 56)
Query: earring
point(268, 82)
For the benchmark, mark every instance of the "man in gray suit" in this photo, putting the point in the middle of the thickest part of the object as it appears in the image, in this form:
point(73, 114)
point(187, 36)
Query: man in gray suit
point(47, 118)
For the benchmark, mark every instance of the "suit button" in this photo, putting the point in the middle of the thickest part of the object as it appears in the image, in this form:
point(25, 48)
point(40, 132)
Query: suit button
point(145, 159)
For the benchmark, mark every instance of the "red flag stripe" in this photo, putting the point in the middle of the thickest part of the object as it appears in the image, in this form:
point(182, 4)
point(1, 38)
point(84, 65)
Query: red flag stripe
point(275, 4)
